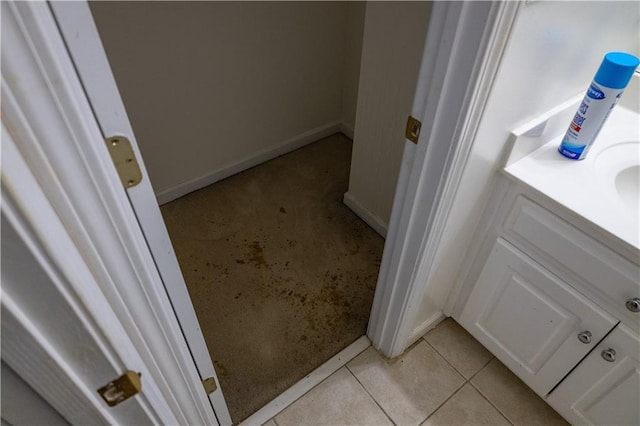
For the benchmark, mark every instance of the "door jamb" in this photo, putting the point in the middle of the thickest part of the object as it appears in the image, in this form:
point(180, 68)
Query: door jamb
point(462, 53)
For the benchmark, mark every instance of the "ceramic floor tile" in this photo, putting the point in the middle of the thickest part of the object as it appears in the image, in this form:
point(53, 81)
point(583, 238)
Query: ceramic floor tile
point(513, 398)
point(466, 407)
point(408, 388)
point(458, 347)
point(339, 400)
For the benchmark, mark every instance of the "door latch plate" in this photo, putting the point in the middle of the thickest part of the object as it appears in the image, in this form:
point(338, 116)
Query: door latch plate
point(122, 388)
point(412, 132)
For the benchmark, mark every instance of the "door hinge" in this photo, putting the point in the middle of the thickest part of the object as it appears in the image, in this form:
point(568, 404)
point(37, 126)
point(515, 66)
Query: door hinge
point(125, 161)
point(412, 132)
point(121, 388)
point(209, 385)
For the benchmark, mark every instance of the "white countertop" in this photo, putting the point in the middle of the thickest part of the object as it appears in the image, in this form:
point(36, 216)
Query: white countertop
point(587, 187)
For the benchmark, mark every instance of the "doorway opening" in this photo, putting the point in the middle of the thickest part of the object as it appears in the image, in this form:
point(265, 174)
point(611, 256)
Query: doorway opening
point(280, 272)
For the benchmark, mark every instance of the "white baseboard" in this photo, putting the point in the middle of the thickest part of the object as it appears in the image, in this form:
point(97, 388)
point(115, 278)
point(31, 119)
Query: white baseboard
point(371, 219)
point(347, 130)
point(425, 326)
point(259, 157)
point(314, 378)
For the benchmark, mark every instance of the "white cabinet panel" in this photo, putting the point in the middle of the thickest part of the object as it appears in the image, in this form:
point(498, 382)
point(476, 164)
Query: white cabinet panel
point(590, 267)
point(530, 319)
point(600, 392)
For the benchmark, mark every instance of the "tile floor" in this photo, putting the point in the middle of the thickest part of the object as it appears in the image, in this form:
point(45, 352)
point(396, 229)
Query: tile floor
point(446, 378)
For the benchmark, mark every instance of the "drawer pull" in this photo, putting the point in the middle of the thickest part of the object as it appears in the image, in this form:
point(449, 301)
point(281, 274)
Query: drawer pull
point(609, 355)
point(585, 337)
point(633, 304)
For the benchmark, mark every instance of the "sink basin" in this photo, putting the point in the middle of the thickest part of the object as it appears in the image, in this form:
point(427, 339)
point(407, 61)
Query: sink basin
point(618, 170)
point(628, 186)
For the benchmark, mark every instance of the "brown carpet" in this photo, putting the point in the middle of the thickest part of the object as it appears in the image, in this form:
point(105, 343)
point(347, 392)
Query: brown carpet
point(280, 272)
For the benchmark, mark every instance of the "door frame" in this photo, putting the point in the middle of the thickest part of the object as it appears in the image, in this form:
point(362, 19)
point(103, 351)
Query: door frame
point(462, 53)
point(84, 189)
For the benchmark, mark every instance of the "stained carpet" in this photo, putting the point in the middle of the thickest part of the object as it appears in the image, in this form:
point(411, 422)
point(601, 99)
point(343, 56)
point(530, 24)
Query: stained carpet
point(280, 272)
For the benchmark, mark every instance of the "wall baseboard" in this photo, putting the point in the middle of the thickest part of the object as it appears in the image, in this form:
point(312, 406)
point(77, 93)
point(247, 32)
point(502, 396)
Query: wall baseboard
point(347, 130)
point(371, 219)
point(259, 157)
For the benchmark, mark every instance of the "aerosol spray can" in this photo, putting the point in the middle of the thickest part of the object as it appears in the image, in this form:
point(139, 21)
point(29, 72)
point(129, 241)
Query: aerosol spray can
point(602, 95)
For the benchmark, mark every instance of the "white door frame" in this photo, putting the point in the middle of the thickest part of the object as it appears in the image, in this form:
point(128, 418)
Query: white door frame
point(462, 53)
point(47, 115)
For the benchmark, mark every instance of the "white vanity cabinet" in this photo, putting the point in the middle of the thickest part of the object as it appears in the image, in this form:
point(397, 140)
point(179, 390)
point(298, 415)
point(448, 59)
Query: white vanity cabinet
point(604, 389)
point(547, 298)
point(537, 325)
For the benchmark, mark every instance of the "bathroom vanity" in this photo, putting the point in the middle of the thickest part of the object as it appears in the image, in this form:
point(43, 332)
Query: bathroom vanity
point(553, 287)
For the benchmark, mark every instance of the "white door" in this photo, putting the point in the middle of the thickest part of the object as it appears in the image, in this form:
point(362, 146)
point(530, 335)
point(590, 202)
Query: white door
point(72, 261)
point(83, 42)
point(605, 387)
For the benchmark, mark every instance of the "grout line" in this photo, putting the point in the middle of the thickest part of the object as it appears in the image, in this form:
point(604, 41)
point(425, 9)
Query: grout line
point(491, 403)
point(467, 381)
point(447, 361)
point(370, 395)
point(485, 396)
point(444, 402)
point(482, 368)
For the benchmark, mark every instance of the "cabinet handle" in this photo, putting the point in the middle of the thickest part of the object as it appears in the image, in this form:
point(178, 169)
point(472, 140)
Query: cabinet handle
point(633, 304)
point(585, 337)
point(609, 355)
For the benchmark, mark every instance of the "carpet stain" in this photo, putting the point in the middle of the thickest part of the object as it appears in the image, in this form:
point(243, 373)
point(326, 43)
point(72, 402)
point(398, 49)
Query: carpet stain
point(256, 254)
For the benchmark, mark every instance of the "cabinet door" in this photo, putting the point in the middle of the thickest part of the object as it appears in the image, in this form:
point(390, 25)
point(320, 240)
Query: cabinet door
point(530, 319)
point(604, 391)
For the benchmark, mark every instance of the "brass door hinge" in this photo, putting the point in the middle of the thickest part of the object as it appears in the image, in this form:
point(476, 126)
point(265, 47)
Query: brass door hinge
point(412, 132)
point(121, 388)
point(209, 385)
point(125, 161)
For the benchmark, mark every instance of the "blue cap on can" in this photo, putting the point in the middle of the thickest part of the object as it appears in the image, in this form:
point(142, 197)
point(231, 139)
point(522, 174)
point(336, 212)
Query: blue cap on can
point(616, 70)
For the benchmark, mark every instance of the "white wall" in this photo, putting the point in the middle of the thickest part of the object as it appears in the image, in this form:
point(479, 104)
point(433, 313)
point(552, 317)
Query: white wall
point(211, 84)
point(554, 50)
point(354, 28)
point(394, 36)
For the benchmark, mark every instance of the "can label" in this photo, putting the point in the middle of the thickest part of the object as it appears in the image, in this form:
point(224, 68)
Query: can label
point(588, 120)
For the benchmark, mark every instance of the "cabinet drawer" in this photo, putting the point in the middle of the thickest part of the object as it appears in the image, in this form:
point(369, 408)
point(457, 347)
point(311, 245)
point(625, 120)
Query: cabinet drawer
point(588, 265)
point(530, 319)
